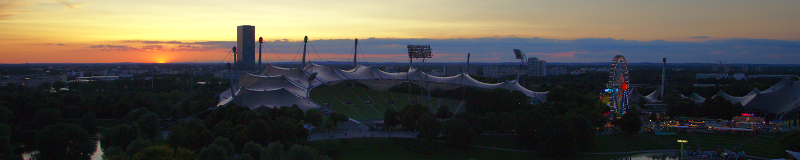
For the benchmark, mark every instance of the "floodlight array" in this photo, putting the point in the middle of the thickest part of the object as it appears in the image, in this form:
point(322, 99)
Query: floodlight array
point(419, 51)
point(519, 54)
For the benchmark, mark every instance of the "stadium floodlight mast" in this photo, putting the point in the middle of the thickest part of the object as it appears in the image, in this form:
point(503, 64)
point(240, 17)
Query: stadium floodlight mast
point(419, 52)
point(521, 56)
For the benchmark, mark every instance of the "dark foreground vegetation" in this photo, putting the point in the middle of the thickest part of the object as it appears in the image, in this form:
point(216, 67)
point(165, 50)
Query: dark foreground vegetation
point(129, 118)
point(541, 127)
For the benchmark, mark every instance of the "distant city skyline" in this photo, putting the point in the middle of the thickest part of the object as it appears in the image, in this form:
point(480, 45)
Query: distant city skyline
point(75, 31)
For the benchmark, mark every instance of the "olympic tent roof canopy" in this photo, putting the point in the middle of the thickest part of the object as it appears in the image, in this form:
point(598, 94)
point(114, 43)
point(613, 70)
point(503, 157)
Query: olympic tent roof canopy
point(277, 86)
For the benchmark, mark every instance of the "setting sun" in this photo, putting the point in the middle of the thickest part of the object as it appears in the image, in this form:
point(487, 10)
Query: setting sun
point(160, 59)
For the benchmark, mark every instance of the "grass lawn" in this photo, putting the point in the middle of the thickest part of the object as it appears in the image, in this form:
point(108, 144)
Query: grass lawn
point(389, 148)
point(626, 142)
point(334, 95)
point(507, 142)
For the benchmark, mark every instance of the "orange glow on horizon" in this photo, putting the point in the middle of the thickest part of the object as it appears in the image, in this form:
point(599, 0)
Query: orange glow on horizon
point(161, 58)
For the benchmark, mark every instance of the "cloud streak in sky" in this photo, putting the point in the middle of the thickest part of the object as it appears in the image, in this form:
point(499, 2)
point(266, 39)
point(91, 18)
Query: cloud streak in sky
point(71, 5)
point(8, 8)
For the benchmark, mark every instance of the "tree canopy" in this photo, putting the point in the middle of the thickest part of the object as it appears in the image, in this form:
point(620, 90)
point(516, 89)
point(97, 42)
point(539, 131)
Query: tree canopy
point(64, 140)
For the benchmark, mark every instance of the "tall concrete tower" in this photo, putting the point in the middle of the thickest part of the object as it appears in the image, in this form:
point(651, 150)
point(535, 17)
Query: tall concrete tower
point(246, 46)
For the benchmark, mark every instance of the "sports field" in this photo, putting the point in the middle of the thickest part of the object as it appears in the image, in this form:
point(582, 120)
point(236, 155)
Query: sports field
point(365, 104)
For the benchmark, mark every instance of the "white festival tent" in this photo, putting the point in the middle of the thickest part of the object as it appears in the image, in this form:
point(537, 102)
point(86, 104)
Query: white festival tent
point(277, 86)
point(779, 99)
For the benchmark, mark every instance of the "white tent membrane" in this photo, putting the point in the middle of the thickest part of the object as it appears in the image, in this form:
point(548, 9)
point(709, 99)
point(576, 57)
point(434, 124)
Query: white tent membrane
point(796, 155)
point(697, 98)
point(778, 99)
point(654, 97)
point(278, 86)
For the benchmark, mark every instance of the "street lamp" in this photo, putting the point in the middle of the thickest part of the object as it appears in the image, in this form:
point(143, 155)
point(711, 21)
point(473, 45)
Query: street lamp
point(682, 142)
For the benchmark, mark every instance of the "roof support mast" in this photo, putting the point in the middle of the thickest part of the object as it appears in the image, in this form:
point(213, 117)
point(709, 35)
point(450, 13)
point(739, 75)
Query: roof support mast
point(260, 41)
point(663, 78)
point(466, 70)
point(355, 58)
point(305, 42)
point(234, 73)
point(355, 53)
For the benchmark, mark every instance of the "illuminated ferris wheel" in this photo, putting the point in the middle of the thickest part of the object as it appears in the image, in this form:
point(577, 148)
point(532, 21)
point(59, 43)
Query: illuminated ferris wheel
point(617, 86)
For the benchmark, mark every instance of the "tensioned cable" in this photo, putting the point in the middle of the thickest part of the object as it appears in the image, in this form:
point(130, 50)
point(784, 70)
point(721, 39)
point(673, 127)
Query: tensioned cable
point(298, 51)
point(262, 47)
point(315, 51)
point(276, 53)
point(362, 55)
point(350, 53)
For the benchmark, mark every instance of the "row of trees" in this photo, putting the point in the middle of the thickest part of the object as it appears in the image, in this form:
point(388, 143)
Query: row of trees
point(236, 131)
point(559, 127)
point(418, 117)
point(107, 99)
point(54, 138)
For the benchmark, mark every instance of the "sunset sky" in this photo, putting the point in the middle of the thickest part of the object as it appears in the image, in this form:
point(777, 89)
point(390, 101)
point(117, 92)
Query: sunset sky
point(168, 31)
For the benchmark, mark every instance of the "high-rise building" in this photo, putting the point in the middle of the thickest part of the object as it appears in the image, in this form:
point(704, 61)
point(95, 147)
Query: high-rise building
point(451, 70)
point(557, 71)
point(472, 71)
point(246, 47)
point(490, 71)
point(537, 67)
